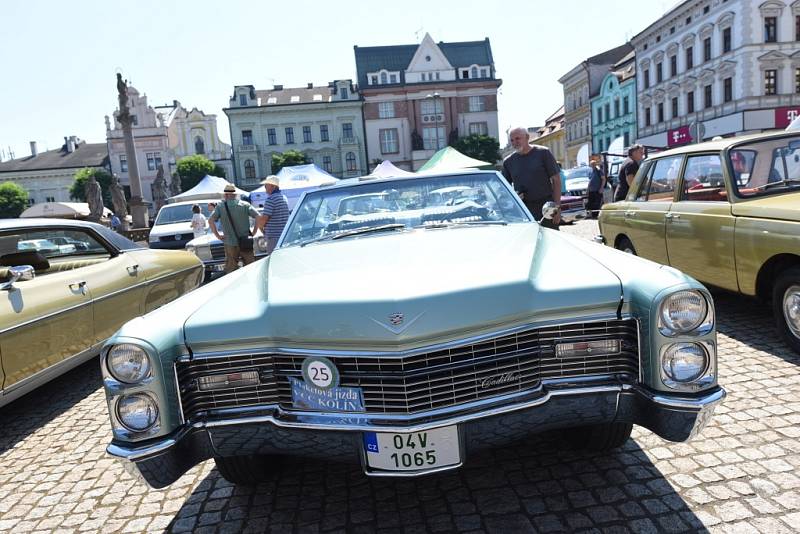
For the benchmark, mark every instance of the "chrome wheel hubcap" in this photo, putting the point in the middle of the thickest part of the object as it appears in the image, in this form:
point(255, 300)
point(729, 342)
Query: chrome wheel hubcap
point(791, 309)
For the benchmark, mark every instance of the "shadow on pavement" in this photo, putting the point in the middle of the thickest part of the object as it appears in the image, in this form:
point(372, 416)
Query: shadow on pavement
point(31, 412)
point(532, 486)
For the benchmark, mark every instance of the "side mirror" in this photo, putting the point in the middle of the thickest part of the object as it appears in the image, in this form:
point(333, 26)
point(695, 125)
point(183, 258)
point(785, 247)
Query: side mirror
point(18, 273)
point(549, 210)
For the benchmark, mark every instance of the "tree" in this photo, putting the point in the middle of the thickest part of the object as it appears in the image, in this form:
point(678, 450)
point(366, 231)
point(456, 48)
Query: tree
point(478, 146)
point(192, 169)
point(77, 190)
point(288, 159)
point(13, 200)
point(219, 171)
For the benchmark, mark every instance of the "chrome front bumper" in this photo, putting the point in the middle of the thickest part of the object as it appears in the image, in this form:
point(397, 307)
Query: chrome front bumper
point(270, 430)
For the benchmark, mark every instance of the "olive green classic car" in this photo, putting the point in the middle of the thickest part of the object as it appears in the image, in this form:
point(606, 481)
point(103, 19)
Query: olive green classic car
point(725, 212)
point(67, 286)
point(406, 336)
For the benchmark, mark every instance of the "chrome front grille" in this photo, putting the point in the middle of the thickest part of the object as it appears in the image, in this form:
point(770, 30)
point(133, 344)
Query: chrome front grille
point(413, 383)
point(218, 252)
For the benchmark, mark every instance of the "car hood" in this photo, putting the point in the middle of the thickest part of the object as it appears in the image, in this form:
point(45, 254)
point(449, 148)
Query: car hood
point(446, 283)
point(172, 228)
point(784, 206)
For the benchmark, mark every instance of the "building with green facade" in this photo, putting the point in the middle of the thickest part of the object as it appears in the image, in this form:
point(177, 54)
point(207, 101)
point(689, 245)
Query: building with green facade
point(614, 108)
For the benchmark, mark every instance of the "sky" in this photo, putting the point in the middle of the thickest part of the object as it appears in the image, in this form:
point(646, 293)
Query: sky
point(60, 58)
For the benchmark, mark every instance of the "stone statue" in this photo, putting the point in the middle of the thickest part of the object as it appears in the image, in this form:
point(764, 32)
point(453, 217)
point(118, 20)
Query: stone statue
point(94, 197)
point(118, 200)
point(416, 141)
point(175, 185)
point(453, 137)
point(159, 189)
point(122, 89)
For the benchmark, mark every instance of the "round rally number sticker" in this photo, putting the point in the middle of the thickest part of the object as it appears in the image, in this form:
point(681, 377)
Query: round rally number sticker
point(320, 372)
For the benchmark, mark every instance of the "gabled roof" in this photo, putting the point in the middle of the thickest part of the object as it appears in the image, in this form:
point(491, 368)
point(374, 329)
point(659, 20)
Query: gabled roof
point(611, 56)
point(84, 155)
point(397, 57)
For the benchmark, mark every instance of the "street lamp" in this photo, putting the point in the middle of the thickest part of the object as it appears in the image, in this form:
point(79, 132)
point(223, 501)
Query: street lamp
point(435, 97)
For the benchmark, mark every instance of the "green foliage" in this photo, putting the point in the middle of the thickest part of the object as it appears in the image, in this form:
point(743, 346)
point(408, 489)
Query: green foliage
point(482, 147)
point(219, 171)
point(192, 169)
point(288, 159)
point(13, 200)
point(77, 190)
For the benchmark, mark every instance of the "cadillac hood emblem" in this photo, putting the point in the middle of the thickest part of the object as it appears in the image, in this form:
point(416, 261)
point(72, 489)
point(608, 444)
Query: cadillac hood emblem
point(396, 318)
point(397, 323)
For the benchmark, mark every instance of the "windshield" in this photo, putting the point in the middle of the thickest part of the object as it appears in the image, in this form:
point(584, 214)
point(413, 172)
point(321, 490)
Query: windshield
point(769, 167)
point(580, 172)
point(405, 204)
point(179, 213)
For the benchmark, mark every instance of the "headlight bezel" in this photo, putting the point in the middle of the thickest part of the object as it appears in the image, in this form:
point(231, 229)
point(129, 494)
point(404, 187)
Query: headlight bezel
point(704, 379)
point(151, 428)
point(701, 327)
point(117, 375)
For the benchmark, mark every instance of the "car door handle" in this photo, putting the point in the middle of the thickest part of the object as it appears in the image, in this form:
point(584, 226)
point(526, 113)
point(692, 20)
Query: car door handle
point(672, 216)
point(133, 270)
point(630, 213)
point(79, 285)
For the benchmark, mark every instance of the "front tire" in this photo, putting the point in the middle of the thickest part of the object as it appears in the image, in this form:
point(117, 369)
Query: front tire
point(786, 306)
point(599, 438)
point(624, 244)
point(247, 470)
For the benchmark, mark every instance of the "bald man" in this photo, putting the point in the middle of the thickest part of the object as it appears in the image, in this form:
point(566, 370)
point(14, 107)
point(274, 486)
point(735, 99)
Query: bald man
point(534, 173)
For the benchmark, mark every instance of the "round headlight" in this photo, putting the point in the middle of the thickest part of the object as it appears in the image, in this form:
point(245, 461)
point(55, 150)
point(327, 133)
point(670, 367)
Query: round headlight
point(128, 363)
point(684, 362)
point(683, 311)
point(137, 412)
point(261, 243)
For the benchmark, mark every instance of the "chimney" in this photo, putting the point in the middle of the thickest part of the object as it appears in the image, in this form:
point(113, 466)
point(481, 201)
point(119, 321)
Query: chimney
point(277, 88)
point(310, 85)
point(34, 150)
point(70, 144)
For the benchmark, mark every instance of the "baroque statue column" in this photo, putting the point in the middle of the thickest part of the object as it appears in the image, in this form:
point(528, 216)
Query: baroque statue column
point(137, 205)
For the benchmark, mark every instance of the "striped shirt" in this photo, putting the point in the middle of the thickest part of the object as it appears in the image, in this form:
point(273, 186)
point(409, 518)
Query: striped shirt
point(276, 207)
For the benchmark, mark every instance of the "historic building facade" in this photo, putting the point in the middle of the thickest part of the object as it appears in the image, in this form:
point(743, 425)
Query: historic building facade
point(324, 122)
point(614, 108)
point(194, 132)
point(717, 68)
point(580, 84)
point(47, 176)
point(553, 136)
point(421, 98)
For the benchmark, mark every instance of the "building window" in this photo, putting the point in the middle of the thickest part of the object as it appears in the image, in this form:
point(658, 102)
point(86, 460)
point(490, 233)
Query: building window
point(608, 111)
point(249, 169)
point(659, 73)
point(728, 89)
point(350, 160)
point(199, 145)
point(384, 78)
point(242, 100)
point(797, 28)
point(247, 137)
point(797, 81)
point(626, 139)
point(690, 102)
point(477, 103)
point(770, 29)
point(673, 66)
point(123, 163)
point(431, 106)
point(389, 144)
point(616, 107)
point(153, 160)
point(272, 138)
point(347, 130)
point(707, 49)
point(134, 120)
point(344, 93)
point(689, 57)
point(289, 135)
point(433, 138)
point(708, 99)
point(473, 72)
point(307, 134)
point(478, 128)
point(326, 164)
point(484, 73)
point(647, 120)
point(599, 115)
point(660, 112)
point(646, 77)
point(373, 80)
point(393, 77)
point(626, 105)
point(323, 132)
point(771, 82)
point(386, 110)
point(726, 40)
point(675, 107)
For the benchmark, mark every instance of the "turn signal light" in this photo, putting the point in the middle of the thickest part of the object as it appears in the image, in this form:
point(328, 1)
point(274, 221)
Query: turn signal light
point(587, 348)
point(228, 380)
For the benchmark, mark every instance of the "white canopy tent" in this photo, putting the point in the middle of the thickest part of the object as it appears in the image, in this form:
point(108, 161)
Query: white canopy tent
point(61, 210)
point(294, 182)
point(208, 188)
point(387, 169)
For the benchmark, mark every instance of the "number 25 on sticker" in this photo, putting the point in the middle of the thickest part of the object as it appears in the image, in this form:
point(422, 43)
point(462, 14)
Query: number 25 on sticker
point(320, 372)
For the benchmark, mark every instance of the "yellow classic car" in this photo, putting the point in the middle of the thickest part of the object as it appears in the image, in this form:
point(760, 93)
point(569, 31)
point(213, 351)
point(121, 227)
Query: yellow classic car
point(69, 285)
point(726, 212)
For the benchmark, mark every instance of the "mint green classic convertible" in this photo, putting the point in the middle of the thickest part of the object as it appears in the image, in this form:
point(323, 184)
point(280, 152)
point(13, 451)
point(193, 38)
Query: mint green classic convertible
point(406, 329)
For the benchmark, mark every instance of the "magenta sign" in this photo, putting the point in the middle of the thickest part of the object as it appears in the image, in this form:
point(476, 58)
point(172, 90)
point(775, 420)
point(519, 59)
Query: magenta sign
point(679, 136)
point(784, 116)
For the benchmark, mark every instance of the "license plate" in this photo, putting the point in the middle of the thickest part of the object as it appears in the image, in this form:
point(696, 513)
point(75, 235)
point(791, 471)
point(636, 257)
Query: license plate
point(412, 451)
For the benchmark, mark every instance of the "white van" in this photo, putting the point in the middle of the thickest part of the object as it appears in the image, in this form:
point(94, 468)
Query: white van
point(172, 228)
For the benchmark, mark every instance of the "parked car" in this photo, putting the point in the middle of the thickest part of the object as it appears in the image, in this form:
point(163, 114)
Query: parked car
point(211, 251)
point(725, 212)
point(408, 340)
point(577, 180)
point(172, 228)
point(61, 302)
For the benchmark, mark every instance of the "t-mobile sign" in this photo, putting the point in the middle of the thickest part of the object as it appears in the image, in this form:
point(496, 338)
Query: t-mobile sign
point(679, 136)
point(784, 116)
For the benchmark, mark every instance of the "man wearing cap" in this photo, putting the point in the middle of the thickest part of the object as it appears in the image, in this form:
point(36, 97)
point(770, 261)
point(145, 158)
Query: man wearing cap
point(234, 214)
point(275, 213)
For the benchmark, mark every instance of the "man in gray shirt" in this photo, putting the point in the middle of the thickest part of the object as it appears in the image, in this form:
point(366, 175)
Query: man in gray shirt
point(235, 215)
point(533, 172)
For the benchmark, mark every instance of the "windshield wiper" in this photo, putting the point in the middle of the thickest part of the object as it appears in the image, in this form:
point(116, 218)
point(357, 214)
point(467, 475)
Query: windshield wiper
point(463, 223)
point(779, 183)
point(356, 231)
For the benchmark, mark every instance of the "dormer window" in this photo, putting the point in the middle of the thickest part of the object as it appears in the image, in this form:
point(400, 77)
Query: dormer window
point(272, 100)
point(384, 78)
point(473, 73)
point(294, 99)
point(373, 80)
point(242, 100)
point(317, 98)
point(343, 93)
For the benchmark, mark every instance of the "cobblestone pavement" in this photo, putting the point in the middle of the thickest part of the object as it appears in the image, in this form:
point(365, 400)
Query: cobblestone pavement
point(741, 475)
